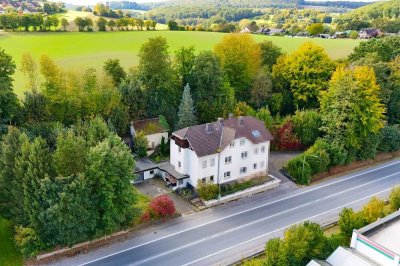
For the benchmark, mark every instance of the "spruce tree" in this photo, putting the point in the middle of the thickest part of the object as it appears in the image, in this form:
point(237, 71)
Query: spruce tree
point(186, 113)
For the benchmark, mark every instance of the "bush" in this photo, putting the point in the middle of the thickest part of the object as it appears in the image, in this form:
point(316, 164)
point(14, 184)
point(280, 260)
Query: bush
point(318, 159)
point(348, 221)
point(141, 144)
point(162, 206)
point(373, 210)
point(265, 115)
point(299, 169)
point(306, 126)
point(207, 191)
point(272, 251)
point(394, 199)
point(337, 153)
point(369, 149)
point(285, 139)
point(28, 241)
point(390, 138)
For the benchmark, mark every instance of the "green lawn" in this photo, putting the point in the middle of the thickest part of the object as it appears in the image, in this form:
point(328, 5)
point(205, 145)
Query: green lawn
point(9, 256)
point(77, 50)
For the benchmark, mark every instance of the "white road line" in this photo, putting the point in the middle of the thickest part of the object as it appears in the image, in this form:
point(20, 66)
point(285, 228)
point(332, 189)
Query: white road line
point(282, 228)
point(260, 220)
point(241, 212)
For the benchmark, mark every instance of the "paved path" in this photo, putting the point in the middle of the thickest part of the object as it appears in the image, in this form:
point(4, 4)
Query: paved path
point(227, 233)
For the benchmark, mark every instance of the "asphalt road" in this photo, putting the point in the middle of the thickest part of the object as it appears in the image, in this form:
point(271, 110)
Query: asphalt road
point(225, 234)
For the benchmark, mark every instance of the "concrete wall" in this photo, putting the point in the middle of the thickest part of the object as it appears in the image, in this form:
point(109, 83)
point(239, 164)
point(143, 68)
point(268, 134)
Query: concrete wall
point(245, 193)
point(156, 139)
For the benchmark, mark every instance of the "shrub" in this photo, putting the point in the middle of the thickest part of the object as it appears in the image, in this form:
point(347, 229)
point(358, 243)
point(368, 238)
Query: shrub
point(337, 153)
point(348, 221)
point(306, 126)
point(28, 241)
point(394, 199)
point(369, 149)
point(373, 210)
point(390, 138)
point(145, 217)
point(207, 191)
point(243, 108)
point(162, 206)
point(299, 169)
point(285, 139)
point(141, 144)
point(272, 251)
point(265, 115)
point(318, 159)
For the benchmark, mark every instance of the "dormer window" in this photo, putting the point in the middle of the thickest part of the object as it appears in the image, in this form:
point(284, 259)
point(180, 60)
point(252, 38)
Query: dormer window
point(242, 142)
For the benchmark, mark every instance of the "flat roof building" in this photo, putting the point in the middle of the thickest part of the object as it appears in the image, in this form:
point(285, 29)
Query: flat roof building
point(375, 244)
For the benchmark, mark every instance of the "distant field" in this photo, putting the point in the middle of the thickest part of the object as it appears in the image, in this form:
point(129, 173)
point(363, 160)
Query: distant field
point(79, 50)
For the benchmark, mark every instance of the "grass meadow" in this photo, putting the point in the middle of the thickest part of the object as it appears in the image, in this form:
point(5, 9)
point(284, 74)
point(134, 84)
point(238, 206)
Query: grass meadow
point(78, 50)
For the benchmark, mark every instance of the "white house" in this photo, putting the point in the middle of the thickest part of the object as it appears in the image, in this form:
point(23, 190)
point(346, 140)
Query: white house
point(226, 150)
point(152, 129)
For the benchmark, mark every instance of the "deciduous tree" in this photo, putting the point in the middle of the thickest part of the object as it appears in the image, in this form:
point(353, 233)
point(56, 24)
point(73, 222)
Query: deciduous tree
point(240, 58)
point(305, 73)
point(350, 108)
point(212, 95)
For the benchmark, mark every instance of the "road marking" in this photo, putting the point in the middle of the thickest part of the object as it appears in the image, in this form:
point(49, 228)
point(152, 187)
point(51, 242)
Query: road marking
point(241, 212)
point(282, 228)
point(260, 220)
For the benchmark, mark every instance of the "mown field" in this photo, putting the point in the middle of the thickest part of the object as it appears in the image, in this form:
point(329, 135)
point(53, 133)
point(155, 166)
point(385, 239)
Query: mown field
point(77, 50)
point(9, 256)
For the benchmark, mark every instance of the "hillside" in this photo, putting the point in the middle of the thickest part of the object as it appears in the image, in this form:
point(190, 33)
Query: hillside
point(385, 10)
point(233, 3)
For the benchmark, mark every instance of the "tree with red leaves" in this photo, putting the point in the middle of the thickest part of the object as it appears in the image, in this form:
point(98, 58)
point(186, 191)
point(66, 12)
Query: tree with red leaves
point(162, 206)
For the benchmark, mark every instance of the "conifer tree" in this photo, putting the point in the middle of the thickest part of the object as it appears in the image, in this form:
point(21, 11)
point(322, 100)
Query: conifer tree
point(186, 113)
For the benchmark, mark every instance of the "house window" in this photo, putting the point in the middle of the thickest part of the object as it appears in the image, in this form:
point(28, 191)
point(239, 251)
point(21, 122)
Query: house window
point(255, 166)
point(262, 164)
point(152, 172)
point(179, 164)
point(242, 142)
point(180, 149)
point(263, 149)
point(204, 164)
point(244, 154)
point(227, 175)
point(212, 179)
point(228, 159)
point(243, 170)
point(212, 162)
point(203, 180)
point(232, 144)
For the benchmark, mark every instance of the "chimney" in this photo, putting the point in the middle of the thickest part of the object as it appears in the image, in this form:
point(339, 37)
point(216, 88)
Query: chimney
point(208, 128)
point(221, 121)
point(240, 121)
point(230, 115)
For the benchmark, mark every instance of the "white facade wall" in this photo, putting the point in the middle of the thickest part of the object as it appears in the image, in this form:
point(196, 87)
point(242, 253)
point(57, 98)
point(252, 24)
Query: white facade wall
point(193, 165)
point(154, 140)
